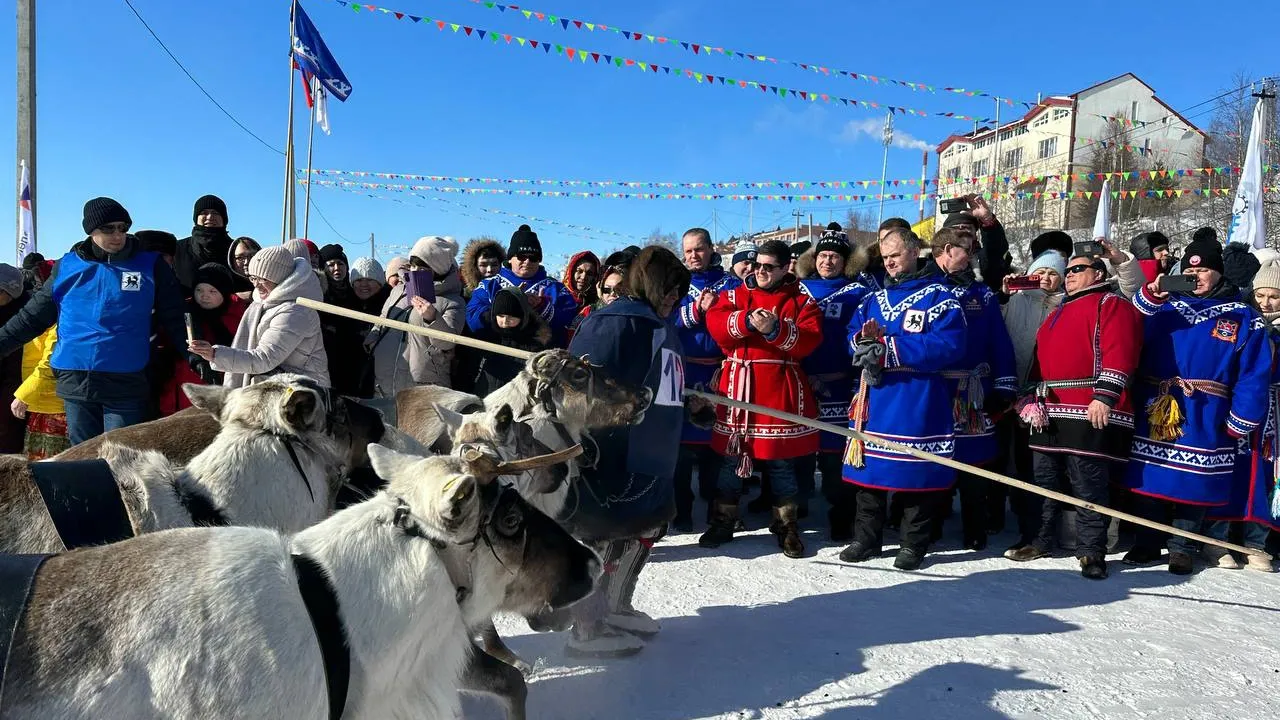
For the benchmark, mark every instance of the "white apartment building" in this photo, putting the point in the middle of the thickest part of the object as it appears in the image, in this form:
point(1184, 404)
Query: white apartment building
point(1055, 138)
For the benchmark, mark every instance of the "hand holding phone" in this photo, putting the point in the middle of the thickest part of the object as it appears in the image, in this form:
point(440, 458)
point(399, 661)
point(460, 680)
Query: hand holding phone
point(948, 206)
point(1176, 283)
point(1023, 282)
point(1088, 248)
point(421, 284)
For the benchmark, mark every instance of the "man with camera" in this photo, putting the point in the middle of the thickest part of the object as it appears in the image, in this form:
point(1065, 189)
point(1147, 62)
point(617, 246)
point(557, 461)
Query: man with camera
point(1203, 377)
point(1080, 413)
point(991, 256)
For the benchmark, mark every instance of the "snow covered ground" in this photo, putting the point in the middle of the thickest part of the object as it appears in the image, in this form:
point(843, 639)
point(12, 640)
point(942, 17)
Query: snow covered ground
point(748, 633)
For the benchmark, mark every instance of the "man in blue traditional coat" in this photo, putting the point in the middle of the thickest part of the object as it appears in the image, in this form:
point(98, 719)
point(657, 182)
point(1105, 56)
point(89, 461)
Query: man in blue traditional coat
point(701, 358)
point(902, 338)
point(828, 274)
point(1203, 380)
point(982, 383)
point(524, 272)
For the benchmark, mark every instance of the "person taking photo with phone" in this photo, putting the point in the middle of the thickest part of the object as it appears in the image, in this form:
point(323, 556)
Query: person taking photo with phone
point(991, 252)
point(1204, 379)
point(547, 296)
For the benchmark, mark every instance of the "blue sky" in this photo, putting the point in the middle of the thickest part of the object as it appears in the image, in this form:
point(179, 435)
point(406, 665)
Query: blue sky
point(118, 118)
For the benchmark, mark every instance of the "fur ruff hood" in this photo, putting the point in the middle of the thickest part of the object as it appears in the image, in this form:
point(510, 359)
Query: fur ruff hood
point(469, 269)
point(589, 297)
point(806, 264)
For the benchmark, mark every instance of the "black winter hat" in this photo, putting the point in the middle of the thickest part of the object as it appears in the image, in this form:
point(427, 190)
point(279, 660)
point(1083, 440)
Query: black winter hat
point(622, 258)
point(102, 211)
point(961, 218)
point(507, 303)
point(165, 243)
point(333, 251)
point(1053, 240)
point(210, 202)
point(216, 275)
point(834, 240)
point(1205, 233)
point(524, 241)
point(1204, 252)
point(1239, 264)
point(800, 248)
point(32, 261)
point(1144, 245)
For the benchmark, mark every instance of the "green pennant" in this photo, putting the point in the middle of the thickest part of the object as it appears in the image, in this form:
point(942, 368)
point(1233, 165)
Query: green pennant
point(643, 66)
point(559, 49)
point(521, 41)
point(1115, 194)
point(698, 76)
point(590, 26)
point(355, 7)
point(618, 61)
point(455, 26)
point(782, 91)
point(553, 19)
point(527, 14)
point(489, 5)
point(494, 37)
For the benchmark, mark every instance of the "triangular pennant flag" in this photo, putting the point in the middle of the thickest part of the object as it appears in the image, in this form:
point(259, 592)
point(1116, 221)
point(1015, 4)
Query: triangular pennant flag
point(570, 51)
point(482, 34)
point(399, 16)
point(618, 62)
point(565, 23)
point(467, 30)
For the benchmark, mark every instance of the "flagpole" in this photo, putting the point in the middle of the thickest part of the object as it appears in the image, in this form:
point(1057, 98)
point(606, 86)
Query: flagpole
point(288, 223)
point(311, 136)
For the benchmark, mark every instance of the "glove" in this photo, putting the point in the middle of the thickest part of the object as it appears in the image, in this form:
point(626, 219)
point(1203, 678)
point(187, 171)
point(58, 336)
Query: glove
point(203, 369)
point(870, 357)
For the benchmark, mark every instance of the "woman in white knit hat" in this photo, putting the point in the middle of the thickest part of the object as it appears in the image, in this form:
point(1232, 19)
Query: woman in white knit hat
point(1253, 505)
point(276, 334)
point(402, 360)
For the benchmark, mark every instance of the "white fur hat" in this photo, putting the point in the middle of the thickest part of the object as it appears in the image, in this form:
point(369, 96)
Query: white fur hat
point(437, 251)
point(366, 268)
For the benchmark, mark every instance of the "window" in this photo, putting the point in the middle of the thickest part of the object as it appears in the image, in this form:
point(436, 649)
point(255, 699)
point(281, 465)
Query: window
point(984, 142)
point(953, 173)
point(962, 149)
point(981, 168)
point(1048, 148)
point(1012, 159)
point(1042, 120)
point(1133, 112)
point(950, 151)
point(1059, 113)
point(1013, 133)
point(1026, 210)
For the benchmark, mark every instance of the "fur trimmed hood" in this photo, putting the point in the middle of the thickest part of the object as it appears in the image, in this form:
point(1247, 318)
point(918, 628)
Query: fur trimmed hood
point(589, 297)
point(806, 264)
point(470, 255)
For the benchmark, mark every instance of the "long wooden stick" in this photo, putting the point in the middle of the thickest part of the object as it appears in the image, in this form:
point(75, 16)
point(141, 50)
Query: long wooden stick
point(808, 422)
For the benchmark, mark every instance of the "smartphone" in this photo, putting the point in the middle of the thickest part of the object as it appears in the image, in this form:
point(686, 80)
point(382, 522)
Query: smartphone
point(1091, 248)
point(1024, 282)
point(1176, 283)
point(950, 206)
point(421, 283)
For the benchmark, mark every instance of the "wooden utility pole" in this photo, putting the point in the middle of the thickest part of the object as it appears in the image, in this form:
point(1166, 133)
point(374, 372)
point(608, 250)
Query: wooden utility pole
point(26, 121)
point(372, 253)
point(797, 215)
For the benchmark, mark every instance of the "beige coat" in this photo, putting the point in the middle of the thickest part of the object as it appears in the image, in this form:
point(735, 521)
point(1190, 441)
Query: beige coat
point(277, 335)
point(1023, 315)
point(402, 360)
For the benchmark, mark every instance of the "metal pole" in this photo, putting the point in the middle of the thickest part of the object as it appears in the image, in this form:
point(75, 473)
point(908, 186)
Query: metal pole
point(797, 214)
point(26, 120)
point(372, 252)
point(924, 179)
point(884, 166)
point(311, 136)
point(288, 225)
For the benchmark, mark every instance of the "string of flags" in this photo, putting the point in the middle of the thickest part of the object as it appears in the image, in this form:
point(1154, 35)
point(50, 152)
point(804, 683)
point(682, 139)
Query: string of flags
point(581, 56)
point(1117, 175)
point(467, 180)
point(1088, 194)
point(709, 49)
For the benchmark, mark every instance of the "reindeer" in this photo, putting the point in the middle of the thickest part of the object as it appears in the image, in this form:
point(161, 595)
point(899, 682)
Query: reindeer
point(400, 579)
point(275, 463)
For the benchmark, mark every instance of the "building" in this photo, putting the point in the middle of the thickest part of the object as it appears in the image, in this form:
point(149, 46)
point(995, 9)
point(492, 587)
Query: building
point(1038, 153)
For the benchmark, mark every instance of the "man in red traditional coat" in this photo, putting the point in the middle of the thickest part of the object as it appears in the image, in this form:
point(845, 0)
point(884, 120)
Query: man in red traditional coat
point(765, 327)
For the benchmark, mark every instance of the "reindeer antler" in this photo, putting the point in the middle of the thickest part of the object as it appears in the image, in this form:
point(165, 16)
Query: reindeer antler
point(484, 464)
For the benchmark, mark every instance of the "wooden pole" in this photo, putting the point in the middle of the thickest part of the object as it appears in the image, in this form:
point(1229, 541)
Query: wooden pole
point(807, 422)
point(26, 106)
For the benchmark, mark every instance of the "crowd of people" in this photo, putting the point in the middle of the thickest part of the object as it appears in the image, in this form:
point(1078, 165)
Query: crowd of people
point(1127, 379)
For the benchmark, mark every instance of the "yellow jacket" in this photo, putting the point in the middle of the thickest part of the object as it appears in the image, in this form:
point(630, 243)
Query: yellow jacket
point(37, 388)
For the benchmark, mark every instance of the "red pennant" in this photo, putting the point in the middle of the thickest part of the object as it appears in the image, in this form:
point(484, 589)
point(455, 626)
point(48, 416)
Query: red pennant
point(595, 56)
point(631, 62)
point(399, 16)
point(440, 24)
point(570, 52)
point(533, 43)
point(578, 23)
point(711, 78)
point(507, 38)
point(466, 29)
point(696, 49)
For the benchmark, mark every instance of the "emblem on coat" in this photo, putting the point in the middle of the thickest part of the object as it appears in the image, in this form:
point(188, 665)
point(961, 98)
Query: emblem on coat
point(1226, 330)
point(913, 321)
point(131, 281)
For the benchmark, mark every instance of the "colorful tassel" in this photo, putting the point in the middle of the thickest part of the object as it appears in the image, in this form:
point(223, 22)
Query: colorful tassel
point(1031, 410)
point(1165, 418)
point(1275, 500)
point(859, 412)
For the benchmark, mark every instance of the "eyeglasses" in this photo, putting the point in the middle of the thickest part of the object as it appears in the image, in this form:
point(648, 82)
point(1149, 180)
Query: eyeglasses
point(1081, 268)
point(609, 290)
point(113, 228)
point(766, 267)
point(257, 280)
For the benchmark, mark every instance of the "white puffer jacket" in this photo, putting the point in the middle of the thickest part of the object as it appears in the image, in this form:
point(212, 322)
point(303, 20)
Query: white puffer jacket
point(277, 335)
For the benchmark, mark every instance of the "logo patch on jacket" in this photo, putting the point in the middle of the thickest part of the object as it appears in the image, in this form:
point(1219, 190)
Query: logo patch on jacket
point(913, 321)
point(1226, 330)
point(131, 281)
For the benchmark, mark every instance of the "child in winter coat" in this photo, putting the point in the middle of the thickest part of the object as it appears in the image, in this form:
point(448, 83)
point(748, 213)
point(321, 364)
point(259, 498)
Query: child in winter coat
point(513, 323)
point(215, 311)
point(37, 401)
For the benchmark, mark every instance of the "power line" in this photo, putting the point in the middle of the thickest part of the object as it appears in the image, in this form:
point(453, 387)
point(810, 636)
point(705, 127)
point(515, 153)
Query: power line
point(197, 82)
point(316, 207)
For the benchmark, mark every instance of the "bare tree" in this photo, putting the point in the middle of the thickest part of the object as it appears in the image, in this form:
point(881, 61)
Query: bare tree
point(668, 239)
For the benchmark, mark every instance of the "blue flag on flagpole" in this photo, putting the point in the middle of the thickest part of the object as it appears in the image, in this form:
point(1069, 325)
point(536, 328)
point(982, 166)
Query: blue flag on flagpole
point(313, 56)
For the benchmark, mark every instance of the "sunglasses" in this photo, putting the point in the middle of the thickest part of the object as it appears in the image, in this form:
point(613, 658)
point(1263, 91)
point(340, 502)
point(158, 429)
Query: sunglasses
point(1081, 268)
point(766, 267)
point(526, 258)
point(113, 228)
point(608, 290)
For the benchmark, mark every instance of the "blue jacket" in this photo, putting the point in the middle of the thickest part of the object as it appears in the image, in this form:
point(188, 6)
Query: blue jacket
point(924, 330)
point(630, 490)
point(558, 308)
point(830, 367)
point(702, 354)
point(88, 296)
point(988, 360)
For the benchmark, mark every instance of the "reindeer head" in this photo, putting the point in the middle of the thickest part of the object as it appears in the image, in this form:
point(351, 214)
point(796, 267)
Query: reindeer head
point(499, 435)
point(577, 394)
point(519, 560)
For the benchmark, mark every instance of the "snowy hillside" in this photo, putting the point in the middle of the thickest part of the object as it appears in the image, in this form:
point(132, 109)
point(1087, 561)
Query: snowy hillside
point(750, 634)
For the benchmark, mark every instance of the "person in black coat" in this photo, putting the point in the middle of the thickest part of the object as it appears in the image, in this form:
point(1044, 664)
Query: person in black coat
point(512, 322)
point(13, 296)
point(208, 243)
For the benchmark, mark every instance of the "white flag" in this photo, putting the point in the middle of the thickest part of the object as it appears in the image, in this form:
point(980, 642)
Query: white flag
point(1246, 213)
point(322, 106)
point(26, 221)
point(1102, 221)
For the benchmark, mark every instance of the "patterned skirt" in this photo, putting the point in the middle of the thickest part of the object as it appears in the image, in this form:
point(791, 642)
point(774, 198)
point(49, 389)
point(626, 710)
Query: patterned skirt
point(46, 435)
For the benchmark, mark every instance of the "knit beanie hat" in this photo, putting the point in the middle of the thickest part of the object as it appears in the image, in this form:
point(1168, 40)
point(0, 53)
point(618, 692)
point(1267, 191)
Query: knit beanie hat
point(800, 248)
point(273, 264)
point(210, 202)
point(32, 260)
point(1049, 260)
point(103, 211)
point(524, 241)
point(833, 240)
point(395, 265)
point(1204, 252)
point(165, 243)
point(216, 275)
point(506, 303)
point(366, 268)
point(1205, 233)
point(11, 280)
point(438, 252)
point(298, 248)
point(744, 251)
point(1268, 276)
point(333, 251)
point(1053, 240)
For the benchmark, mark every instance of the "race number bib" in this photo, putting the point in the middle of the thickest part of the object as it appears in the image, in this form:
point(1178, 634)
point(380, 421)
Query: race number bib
point(671, 386)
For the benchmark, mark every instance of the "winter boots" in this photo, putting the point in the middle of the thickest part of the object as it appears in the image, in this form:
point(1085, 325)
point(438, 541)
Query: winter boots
point(784, 527)
point(1093, 568)
point(600, 640)
point(724, 519)
point(622, 615)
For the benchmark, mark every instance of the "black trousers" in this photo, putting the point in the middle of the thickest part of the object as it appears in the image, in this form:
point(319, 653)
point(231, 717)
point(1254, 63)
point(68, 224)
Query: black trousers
point(1084, 477)
point(973, 505)
point(708, 465)
point(918, 512)
point(831, 465)
point(1012, 440)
